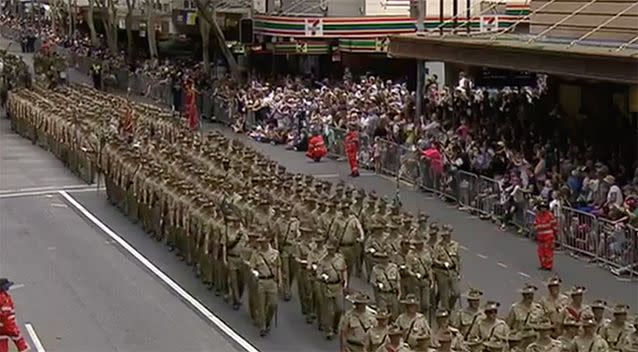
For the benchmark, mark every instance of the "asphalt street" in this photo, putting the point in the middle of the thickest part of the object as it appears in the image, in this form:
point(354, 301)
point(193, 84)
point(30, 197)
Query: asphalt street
point(81, 289)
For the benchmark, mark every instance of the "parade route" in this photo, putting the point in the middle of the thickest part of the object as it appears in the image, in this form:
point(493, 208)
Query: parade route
point(89, 279)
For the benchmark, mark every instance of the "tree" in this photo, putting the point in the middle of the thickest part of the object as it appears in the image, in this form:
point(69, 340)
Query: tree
point(207, 12)
point(91, 23)
point(130, 47)
point(150, 28)
point(204, 30)
point(109, 15)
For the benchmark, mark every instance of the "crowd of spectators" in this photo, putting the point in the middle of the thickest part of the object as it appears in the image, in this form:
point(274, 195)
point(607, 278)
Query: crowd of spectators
point(506, 134)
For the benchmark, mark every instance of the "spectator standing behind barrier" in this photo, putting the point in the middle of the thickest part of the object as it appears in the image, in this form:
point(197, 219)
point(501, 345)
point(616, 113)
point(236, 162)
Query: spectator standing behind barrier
point(546, 228)
point(352, 149)
point(96, 75)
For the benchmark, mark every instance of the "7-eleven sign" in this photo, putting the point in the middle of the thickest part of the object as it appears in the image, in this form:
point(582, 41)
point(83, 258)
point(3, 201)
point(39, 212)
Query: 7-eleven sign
point(381, 44)
point(489, 23)
point(314, 27)
point(302, 47)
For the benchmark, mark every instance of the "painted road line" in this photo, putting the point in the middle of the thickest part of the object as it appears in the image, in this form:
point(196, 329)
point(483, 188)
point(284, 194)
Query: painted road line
point(47, 188)
point(523, 274)
point(482, 256)
point(49, 192)
point(337, 175)
point(15, 287)
point(34, 338)
point(501, 265)
point(192, 301)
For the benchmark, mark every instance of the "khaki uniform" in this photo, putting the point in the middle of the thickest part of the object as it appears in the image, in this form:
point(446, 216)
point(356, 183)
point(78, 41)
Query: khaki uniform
point(352, 233)
point(552, 306)
point(447, 269)
point(330, 273)
point(522, 316)
point(412, 325)
point(630, 343)
point(593, 343)
point(314, 258)
point(304, 275)
point(234, 242)
point(615, 335)
point(375, 338)
point(386, 282)
point(465, 320)
point(419, 267)
point(288, 238)
point(265, 266)
point(387, 347)
point(371, 245)
point(490, 330)
point(354, 327)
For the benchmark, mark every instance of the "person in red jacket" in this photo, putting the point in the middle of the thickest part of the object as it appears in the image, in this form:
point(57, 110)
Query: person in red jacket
point(546, 229)
point(8, 327)
point(352, 149)
point(316, 148)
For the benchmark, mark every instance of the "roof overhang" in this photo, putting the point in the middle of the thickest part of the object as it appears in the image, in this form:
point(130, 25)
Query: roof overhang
point(578, 61)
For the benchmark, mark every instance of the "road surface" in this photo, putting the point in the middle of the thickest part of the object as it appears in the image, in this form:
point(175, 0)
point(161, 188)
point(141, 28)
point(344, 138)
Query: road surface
point(75, 273)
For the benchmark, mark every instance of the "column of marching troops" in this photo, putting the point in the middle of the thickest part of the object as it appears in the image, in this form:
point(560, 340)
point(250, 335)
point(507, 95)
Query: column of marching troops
point(245, 225)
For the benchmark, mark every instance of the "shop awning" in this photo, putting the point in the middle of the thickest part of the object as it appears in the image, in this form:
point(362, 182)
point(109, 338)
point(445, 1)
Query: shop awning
point(611, 62)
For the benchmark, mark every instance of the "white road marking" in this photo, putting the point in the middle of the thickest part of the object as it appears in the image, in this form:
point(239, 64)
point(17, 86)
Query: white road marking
point(49, 192)
point(16, 286)
point(463, 248)
point(523, 274)
point(58, 205)
point(47, 188)
point(501, 265)
point(394, 179)
point(51, 248)
point(481, 256)
point(34, 337)
point(161, 275)
point(327, 176)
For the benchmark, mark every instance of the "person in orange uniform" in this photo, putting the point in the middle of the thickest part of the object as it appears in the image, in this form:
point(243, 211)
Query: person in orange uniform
point(546, 229)
point(316, 147)
point(8, 327)
point(352, 149)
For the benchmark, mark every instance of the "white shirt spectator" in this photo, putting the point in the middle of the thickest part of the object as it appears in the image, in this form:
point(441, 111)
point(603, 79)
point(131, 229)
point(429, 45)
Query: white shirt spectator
point(614, 196)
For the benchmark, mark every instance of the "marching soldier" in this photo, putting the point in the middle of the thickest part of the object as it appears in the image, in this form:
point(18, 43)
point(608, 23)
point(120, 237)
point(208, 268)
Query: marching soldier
point(301, 250)
point(555, 301)
point(588, 340)
point(575, 308)
point(373, 244)
point(314, 258)
point(490, 327)
point(411, 322)
point(378, 334)
point(569, 330)
point(466, 318)
point(447, 270)
point(355, 324)
point(400, 259)
point(630, 343)
point(352, 233)
point(422, 343)
point(266, 267)
point(419, 267)
point(333, 274)
point(544, 341)
point(233, 242)
point(616, 330)
point(443, 327)
point(251, 282)
point(289, 236)
point(386, 282)
point(395, 342)
point(525, 312)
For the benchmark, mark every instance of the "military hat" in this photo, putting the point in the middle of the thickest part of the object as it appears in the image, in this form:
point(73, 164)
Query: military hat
point(553, 281)
point(358, 298)
point(405, 240)
point(620, 308)
point(348, 190)
point(382, 313)
point(417, 241)
point(421, 217)
point(394, 330)
point(473, 294)
point(570, 321)
point(391, 226)
point(587, 319)
point(442, 313)
point(599, 304)
point(446, 230)
point(528, 289)
point(543, 325)
point(410, 299)
point(344, 206)
point(434, 226)
point(577, 290)
point(376, 227)
point(494, 344)
point(263, 239)
point(332, 245)
point(491, 305)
